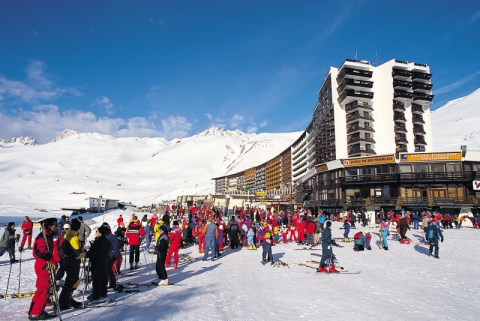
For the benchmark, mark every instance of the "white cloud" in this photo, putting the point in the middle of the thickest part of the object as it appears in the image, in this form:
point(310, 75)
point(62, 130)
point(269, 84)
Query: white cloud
point(209, 116)
point(44, 122)
point(455, 85)
point(263, 123)
point(105, 103)
point(236, 121)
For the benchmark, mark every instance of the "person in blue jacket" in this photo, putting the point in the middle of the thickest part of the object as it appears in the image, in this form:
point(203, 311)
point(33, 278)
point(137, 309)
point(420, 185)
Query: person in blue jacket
point(434, 233)
point(346, 227)
point(327, 250)
point(415, 218)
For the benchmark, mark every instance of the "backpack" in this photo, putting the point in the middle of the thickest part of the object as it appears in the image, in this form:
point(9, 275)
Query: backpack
point(357, 236)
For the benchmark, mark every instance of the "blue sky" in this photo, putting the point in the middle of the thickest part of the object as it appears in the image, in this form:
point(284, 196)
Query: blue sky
point(176, 68)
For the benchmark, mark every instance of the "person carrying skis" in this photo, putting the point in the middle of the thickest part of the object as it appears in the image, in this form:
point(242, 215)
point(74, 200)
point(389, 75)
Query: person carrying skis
point(434, 233)
point(47, 256)
point(327, 253)
point(7, 242)
point(27, 228)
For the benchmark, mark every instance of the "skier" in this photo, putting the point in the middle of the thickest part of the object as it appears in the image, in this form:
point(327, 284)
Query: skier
point(175, 244)
point(27, 228)
point(112, 256)
point(384, 233)
point(327, 250)
point(403, 226)
point(162, 249)
point(267, 255)
point(134, 233)
point(434, 233)
point(47, 256)
point(72, 256)
point(250, 234)
point(7, 243)
point(346, 227)
point(368, 238)
point(99, 259)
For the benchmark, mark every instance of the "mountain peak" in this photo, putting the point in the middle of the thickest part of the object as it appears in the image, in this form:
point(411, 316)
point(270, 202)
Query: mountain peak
point(215, 131)
point(22, 140)
point(66, 133)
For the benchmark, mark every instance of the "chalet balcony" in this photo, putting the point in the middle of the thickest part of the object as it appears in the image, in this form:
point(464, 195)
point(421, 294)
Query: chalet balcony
point(401, 140)
point(398, 106)
point(418, 109)
point(422, 86)
point(422, 97)
point(401, 73)
point(402, 94)
point(352, 83)
point(420, 142)
point(359, 128)
point(421, 75)
point(362, 150)
point(353, 140)
point(419, 131)
point(354, 105)
point(400, 129)
point(354, 94)
point(401, 149)
point(402, 84)
point(355, 117)
point(418, 120)
point(460, 176)
point(399, 118)
point(419, 149)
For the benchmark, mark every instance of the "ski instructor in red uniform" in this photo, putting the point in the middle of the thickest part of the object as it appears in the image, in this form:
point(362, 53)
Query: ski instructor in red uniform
point(45, 252)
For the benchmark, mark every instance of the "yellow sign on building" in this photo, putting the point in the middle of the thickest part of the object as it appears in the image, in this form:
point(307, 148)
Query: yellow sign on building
point(321, 168)
point(429, 157)
point(371, 160)
point(261, 193)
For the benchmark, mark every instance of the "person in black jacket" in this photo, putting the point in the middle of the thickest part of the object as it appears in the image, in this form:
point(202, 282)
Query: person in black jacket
point(434, 233)
point(99, 257)
point(162, 249)
point(7, 242)
point(233, 233)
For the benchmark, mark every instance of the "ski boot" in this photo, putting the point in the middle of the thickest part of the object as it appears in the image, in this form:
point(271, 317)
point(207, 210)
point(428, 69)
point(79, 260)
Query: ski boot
point(136, 266)
point(322, 269)
point(131, 267)
point(332, 269)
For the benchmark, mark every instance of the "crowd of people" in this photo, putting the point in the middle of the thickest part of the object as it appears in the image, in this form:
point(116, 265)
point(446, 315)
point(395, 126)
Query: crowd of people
point(61, 247)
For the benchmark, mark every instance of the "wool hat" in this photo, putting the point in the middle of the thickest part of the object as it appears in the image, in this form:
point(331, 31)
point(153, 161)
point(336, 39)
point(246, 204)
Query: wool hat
point(175, 223)
point(103, 230)
point(163, 228)
point(75, 224)
point(10, 224)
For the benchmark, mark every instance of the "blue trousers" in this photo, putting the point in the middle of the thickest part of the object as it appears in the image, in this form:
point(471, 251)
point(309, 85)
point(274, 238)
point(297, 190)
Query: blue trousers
point(209, 246)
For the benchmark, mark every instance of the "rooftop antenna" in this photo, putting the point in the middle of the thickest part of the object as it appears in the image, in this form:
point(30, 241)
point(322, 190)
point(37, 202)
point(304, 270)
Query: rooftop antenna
point(376, 59)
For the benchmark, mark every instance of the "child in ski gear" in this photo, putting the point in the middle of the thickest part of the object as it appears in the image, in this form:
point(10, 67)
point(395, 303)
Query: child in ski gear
point(434, 234)
point(72, 256)
point(267, 241)
point(47, 255)
point(327, 249)
point(7, 242)
point(99, 258)
point(359, 241)
point(384, 233)
point(368, 238)
point(346, 227)
point(27, 228)
point(162, 249)
point(250, 234)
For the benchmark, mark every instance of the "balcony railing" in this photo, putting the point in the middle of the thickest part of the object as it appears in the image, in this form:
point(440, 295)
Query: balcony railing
point(401, 73)
point(418, 120)
point(422, 86)
point(421, 75)
point(354, 151)
point(355, 93)
point(356, 105)
point(419, 149)
point(353, 140)
point(354, 72)
point(351, 118)
point(399, 140)
point(402, 83)
point(354, 83)
point(401, 149)
point(424, 97)
point(420, 142)
point(419, 131)
point(352, 129)
point(402, 94)
point(398, 106)
point(401, 129)
point(417, 109)
point(399, 118)
point(459, 176)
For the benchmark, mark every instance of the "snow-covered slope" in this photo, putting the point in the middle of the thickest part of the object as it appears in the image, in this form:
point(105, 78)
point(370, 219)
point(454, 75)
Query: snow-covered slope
point(64, 172)
point(17, 141)
point(457, 123)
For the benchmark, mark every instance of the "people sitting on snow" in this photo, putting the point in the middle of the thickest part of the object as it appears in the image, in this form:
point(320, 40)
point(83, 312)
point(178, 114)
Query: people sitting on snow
point(359, 241)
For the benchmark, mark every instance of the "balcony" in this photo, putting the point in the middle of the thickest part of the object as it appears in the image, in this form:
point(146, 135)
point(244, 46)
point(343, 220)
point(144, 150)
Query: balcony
point(421, 75)
point(354, 117)
point(357, 105)
point(401, 148)
point(419, 149)
point(401, 73)
point(399, 118)
point(402, 84)
point(355, 93)
point(361, 150)
point(349, 83)
point(422, 86)
point(419, 131)
point(401, 140)
point(358, 128)
point(398, 106)
point(422, 97)
point(354, 73)
point(419, 141)
point(418, 109)
point(402, 94)
point(353, 140)
point(418, 120)
point(400, 129)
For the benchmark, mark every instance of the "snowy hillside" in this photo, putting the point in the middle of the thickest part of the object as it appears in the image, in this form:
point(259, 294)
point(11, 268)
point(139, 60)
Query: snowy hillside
point(457, 123)
point(69, 169)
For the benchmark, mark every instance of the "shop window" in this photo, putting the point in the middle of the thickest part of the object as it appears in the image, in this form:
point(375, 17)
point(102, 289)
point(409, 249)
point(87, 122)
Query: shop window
point(405, 169)
point(437, 167)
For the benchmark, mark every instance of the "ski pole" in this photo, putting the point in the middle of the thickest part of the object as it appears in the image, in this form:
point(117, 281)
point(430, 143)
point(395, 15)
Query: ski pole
point(8, 280)
point(51, 273)
point(20, 268)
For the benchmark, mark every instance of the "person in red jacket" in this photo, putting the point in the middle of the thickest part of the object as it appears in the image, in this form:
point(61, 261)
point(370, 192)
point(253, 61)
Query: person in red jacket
point(175, 244)
point(309, 230)
point(119, 220)
point(301, 225)
point(134, 234)
point(201, 236)
point(47, 256)
point(27, 228)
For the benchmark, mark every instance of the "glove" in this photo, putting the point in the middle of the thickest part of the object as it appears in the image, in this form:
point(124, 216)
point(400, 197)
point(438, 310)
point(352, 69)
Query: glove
point(441, 240)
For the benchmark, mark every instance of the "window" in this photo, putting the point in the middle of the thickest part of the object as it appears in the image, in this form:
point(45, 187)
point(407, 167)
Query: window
point(437, 167)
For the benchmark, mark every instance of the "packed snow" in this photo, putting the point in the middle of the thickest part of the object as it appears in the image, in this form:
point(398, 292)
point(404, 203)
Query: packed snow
point(403, 283)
